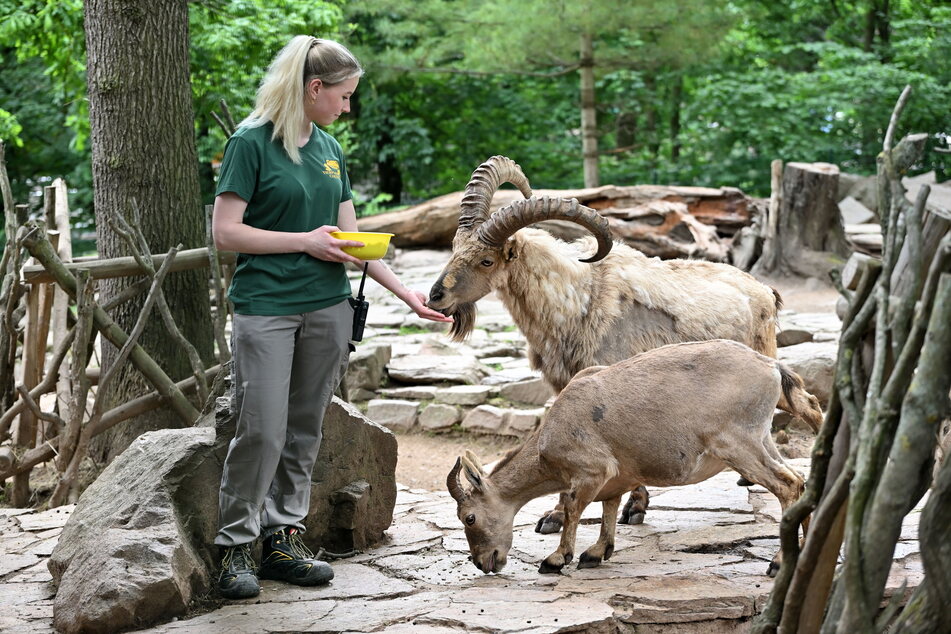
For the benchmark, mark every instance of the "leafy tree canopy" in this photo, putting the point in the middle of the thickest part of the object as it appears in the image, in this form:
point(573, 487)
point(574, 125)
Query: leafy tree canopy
point(691, 92)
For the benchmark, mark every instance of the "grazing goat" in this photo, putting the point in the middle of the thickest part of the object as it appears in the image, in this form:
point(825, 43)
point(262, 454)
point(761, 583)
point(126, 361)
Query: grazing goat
point(601, 310)
point(674, 415)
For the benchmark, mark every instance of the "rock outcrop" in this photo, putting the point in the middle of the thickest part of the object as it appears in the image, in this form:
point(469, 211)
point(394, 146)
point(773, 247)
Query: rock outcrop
point(139, 546)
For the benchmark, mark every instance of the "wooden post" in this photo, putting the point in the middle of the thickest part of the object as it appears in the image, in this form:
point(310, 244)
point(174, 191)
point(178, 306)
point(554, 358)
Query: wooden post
point(58, 320)
point(771, 246)
point(38, 306)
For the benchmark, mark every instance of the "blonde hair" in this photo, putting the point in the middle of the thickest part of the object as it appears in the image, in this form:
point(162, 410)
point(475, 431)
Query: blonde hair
point(280, 96)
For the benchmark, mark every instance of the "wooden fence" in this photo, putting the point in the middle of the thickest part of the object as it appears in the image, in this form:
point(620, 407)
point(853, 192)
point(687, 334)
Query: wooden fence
point(38, 425)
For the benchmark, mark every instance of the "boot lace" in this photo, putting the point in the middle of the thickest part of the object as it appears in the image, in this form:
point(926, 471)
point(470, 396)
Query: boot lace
point(240, 557)
point(297, 545)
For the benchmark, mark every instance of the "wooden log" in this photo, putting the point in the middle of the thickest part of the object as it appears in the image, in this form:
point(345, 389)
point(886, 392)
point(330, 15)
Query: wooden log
point(667, 230)
point(7, 459)
point(58, 216)
point(434, 222)
point(769, 259)
point(854, 268)
point(935, 226)
point(127, 266)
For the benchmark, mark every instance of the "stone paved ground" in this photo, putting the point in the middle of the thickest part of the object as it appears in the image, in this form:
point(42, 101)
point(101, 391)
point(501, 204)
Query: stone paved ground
point(697, 564)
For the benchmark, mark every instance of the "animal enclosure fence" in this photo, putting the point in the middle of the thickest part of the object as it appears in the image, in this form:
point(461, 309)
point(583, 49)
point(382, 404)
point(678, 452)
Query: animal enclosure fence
point(53, 401)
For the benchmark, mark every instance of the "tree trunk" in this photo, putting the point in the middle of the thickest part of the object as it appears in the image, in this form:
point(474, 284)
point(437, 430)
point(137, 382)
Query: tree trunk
point(391, 178)
point(589, 117)
point(650, 114)
point(676, 95)
point(143, 154)
point(810, 239)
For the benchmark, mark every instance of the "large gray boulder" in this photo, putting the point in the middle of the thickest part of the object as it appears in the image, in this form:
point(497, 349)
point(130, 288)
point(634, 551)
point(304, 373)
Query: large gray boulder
point(139, 545)
point(125, 558)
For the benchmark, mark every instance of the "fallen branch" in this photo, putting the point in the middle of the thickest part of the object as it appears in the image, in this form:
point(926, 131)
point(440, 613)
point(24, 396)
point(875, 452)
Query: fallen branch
point(71, 448)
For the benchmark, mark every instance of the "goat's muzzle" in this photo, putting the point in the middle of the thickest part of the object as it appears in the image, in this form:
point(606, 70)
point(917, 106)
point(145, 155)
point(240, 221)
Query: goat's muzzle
point(492, 564)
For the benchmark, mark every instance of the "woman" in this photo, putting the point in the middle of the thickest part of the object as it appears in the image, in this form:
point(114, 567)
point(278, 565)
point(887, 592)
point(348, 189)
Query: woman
point(282, 190)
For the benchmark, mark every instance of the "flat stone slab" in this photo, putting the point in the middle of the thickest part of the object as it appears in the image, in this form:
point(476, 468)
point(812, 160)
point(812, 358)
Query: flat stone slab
point(436, 369)
point(54, 518)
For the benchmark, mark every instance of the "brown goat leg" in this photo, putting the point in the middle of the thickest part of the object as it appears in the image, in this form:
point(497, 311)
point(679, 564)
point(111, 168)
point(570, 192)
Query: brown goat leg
point(602, 549)
point(635, 507)
point(582, 493)
point(552, 521)
point(778, 478)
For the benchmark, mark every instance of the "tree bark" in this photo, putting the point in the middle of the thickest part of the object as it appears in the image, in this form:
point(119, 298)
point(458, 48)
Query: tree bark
point(143, 152)
point(676, 95)
point(589, 117)
point(927, 610)
point(810, 239)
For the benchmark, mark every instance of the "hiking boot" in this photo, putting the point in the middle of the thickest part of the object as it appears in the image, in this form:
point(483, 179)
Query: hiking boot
point(237, 579)
point(286, 558)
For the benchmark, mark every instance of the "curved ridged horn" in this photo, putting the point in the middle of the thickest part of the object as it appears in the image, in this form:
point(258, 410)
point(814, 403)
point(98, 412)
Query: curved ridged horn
point(483, 184)
point(521, 213)
point(452, 482)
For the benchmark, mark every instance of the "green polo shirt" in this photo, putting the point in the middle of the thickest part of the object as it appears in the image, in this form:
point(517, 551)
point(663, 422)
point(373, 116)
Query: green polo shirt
point(285, 196)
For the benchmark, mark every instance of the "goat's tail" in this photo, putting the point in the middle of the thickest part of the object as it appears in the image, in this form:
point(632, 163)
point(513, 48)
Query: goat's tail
point(778, 299)
point(797, 401)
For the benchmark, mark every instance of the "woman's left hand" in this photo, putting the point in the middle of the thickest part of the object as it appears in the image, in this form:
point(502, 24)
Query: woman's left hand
point(417, 301)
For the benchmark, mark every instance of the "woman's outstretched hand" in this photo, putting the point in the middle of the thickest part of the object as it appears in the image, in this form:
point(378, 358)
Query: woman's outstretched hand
point(417, 301)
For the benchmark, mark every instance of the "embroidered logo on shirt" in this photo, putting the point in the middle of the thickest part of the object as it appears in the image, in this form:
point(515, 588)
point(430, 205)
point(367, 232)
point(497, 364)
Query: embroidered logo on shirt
point(332, 168)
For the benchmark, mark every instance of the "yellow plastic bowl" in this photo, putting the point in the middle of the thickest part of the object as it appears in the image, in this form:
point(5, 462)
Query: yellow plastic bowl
point(374, 244)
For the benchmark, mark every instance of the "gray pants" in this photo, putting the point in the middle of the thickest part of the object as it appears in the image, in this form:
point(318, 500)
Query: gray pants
point(286, 369)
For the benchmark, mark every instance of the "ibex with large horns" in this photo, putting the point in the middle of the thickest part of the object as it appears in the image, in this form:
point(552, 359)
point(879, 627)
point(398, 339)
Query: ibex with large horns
point(596, 311)
point(674, 415)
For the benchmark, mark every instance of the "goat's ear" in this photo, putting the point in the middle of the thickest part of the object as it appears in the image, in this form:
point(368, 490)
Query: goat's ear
point(510, 249)
point(473, 474)
point(474, 459)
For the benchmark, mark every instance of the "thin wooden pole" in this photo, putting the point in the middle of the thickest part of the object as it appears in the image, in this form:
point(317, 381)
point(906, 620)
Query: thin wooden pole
point(127, 266)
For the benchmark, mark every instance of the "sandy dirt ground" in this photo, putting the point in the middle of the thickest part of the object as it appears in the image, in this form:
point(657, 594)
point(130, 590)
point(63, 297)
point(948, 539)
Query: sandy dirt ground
point(424, 459)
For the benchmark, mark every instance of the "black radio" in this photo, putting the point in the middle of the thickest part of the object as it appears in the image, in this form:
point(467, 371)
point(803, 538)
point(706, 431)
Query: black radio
point(360, 308)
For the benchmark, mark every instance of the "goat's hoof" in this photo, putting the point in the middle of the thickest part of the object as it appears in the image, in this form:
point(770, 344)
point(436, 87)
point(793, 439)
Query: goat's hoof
point(743, 482)
point(546, 568)
point(608, 551)
point(633, 518)
point(548, 524)
point(588, 561)
point(772, 569)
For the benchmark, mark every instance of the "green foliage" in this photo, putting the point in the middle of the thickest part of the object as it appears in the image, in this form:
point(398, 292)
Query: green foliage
point(53, 32)
point(785, 89)
point(232, 43)
point(10, 129)
point(449, 84)
point(372, 206)
point(438, 128)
